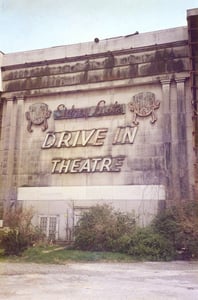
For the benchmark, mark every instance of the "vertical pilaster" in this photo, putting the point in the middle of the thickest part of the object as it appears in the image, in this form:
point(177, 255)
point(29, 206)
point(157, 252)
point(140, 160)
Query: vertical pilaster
point(167, 137)
point(174, 145)
point(1, 59)
point(19, 139)
point(182, 140)
point(8, 148)
point(2, 162)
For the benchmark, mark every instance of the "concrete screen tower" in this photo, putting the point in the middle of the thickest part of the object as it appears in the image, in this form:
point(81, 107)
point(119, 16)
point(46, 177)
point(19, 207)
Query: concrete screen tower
point(109, 121)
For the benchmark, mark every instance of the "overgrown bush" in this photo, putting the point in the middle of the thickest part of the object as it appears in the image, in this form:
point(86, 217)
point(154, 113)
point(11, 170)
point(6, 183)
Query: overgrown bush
point(147, 244)
point(1, 211)
point(179, 224)
point(14, 242)
point(19, 233)
point(103, 229)
point(172, 235)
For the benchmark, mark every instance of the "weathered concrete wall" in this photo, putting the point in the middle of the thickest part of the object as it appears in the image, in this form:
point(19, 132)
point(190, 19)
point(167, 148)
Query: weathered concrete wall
point(107, 67)
point(67, 202)
point(113, 113)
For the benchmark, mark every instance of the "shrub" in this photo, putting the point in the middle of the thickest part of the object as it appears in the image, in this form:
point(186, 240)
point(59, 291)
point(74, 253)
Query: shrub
point(179, 224)
point(13, 242)
point(146, 244)
point(173, 233)
point(102, 229)
point(1, 211)
point(20, 233)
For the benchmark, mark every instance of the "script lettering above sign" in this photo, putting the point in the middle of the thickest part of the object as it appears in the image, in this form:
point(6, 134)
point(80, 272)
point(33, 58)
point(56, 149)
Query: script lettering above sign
point(100, 110)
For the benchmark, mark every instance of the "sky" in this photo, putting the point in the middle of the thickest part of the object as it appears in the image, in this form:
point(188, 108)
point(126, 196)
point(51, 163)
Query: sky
point(36, 24)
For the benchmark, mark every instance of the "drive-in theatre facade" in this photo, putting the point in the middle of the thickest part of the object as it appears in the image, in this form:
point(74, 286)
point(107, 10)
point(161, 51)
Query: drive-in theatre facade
point(110, 121)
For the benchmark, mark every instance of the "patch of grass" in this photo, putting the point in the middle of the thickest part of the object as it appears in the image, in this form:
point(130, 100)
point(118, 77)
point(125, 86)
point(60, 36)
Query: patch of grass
point(57, 255)
point(2, 257)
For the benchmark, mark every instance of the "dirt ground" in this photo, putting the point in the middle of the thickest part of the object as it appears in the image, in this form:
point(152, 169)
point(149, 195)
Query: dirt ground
point(95, 281)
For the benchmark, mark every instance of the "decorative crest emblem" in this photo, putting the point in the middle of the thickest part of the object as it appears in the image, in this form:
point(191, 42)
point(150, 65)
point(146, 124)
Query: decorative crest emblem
point(144, 105)
point(38, 114)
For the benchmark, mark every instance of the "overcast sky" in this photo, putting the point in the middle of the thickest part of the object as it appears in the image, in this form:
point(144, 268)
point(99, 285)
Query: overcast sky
point(35, 24)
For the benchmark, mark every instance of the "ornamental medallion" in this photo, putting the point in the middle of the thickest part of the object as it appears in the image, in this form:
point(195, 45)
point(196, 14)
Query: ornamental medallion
point(144, 105)
point(37, 115)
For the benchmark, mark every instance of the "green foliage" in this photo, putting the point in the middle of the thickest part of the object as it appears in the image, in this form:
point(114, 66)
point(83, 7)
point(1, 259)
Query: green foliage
point(179, 224)
point(59, 255)
point(19, 233)
point(173, 233)
point(102, 229)
point(13, 242)
point(1, 211)
point(147, 244)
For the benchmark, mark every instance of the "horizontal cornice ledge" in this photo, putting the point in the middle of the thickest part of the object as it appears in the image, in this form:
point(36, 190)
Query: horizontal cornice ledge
point(85, 87)
point(132, 50)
